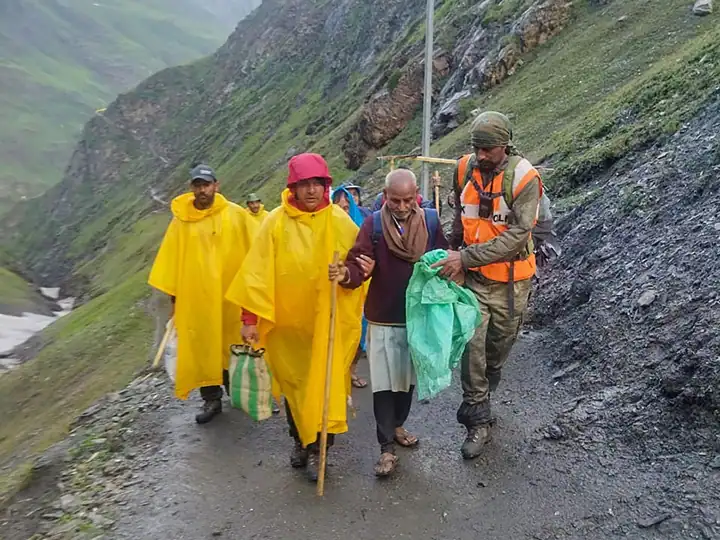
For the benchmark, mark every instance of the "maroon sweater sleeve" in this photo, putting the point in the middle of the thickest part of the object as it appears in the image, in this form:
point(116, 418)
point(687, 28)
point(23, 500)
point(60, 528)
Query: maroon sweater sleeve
point(363, 246)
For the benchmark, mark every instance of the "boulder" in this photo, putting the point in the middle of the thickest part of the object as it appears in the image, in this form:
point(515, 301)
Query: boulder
point(388, 111)
point(448, 117)
point(703, 7)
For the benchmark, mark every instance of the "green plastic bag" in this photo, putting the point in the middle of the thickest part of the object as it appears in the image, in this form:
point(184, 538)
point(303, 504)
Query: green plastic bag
point(250, 382)
point(441, 318)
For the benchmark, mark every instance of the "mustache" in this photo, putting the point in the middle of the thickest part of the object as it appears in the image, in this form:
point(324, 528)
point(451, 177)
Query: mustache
point(485, 164)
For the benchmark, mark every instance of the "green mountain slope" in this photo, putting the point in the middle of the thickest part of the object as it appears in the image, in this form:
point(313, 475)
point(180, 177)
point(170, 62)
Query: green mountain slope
point(585, 83)
point(17, 296)
point(62, 59)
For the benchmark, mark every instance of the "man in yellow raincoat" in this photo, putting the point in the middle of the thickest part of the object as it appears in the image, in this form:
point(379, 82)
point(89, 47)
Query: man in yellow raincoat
point(284, 289)
point(202, 251)
point(256, 208)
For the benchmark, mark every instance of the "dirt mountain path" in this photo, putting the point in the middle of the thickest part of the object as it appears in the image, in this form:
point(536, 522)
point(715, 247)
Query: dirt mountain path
point(231, 479)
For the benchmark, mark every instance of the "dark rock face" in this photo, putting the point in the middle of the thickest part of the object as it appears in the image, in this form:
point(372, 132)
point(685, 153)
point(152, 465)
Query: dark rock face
point(634, 296)
point(489, 53)
point(388, 112)
point(485, 55)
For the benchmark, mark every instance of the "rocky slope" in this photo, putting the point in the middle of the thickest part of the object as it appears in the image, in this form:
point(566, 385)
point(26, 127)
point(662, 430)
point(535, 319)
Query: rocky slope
point(61, 60)
point(633, 302)
point(611, 79)
point(486, 42)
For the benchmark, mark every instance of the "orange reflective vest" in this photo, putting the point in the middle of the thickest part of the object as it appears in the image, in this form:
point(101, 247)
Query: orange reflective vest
point(477, 230)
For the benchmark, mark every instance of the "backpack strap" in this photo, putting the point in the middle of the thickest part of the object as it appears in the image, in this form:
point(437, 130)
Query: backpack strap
point(377, 227)
point(462, 170)
point(432, 222)
point(507, 190)
point(509, 178)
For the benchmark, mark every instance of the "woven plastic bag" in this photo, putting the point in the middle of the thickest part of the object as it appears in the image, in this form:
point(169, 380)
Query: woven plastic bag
point(250, 382)
point(441, 318)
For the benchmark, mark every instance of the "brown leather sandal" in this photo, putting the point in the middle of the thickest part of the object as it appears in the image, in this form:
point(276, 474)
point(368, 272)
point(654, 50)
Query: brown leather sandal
point(404, 438)
point(386, 465)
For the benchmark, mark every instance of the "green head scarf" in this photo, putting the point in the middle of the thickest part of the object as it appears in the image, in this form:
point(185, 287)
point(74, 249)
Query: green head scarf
point(491, 129)
point(253, 197)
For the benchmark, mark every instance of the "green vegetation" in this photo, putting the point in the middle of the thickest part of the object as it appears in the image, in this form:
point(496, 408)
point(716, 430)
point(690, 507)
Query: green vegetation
point(90, 352)
point(394, 79)
point(62, 61)
point(618, 78)
point(16, 295)
point(504, 10)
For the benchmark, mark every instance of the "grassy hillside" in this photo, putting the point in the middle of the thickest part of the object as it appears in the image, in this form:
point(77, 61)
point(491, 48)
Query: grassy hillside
point(17, 296)
point(61, 60)
point(107, 340)
point(620, 76)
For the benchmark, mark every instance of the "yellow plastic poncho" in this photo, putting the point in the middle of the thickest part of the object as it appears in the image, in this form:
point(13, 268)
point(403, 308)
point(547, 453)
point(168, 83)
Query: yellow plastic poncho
point(200, 255)
point(260, 216)
point(284, 282)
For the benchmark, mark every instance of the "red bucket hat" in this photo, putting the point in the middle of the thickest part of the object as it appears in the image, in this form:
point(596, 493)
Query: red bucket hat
point(306, 166)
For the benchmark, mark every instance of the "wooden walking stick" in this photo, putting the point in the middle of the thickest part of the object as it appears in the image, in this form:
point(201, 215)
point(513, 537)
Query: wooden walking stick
point(163, 342)
point(328, 376)
point(436, 177)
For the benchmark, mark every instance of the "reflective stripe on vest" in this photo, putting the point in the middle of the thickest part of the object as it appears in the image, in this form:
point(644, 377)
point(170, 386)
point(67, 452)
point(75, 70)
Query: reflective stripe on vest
point(477, 230)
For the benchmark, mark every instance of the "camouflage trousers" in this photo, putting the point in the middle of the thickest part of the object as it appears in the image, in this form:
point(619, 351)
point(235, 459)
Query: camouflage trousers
point(489, 348)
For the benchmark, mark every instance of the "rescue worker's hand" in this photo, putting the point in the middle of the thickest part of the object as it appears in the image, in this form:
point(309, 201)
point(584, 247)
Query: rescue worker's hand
point(338, 272)
point(451, 267)
point(366, 264)
point(250, 334)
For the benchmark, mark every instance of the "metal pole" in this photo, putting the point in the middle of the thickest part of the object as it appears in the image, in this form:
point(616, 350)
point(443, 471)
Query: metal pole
point(427, 102)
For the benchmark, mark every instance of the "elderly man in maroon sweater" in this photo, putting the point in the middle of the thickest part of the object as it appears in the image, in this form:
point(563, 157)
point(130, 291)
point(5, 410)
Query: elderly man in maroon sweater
point(395, 237)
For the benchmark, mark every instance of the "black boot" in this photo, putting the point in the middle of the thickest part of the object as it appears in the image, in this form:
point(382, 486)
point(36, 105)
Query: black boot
point(299, 456)
point(210, 410)
point(313, 463)
point(477, 438)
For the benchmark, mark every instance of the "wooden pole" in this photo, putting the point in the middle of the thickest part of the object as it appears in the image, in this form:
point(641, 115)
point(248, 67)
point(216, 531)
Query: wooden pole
point(328, 379)
point(163, 343)
point(436, 176)
point(423, 159)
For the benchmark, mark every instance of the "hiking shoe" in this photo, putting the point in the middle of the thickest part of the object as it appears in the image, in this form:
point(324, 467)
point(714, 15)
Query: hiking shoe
point(299, 456)
point(313, 466)
point(210, 410)
point(477, 437)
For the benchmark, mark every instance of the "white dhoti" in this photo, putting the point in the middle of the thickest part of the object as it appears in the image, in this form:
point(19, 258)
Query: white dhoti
point(389, 358)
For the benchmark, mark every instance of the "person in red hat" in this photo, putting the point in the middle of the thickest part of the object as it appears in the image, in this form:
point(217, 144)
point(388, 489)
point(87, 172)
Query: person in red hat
point(284, 290)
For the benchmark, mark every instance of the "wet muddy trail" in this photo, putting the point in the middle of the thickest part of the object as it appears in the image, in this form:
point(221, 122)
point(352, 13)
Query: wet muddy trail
point(232, 479)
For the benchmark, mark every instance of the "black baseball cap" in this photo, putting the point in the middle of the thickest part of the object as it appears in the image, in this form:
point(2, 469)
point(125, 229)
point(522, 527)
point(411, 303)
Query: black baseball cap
point(203, 172)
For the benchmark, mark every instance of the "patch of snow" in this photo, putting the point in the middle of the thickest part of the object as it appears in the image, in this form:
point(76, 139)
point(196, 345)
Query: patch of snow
point(16, 330)
point(50, 292)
